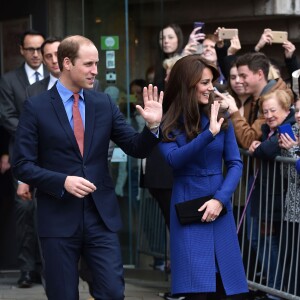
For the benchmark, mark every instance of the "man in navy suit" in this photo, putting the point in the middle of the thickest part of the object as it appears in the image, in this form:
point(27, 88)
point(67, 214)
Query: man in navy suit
point(12, 96)
point(78, 212)
point(49, 52)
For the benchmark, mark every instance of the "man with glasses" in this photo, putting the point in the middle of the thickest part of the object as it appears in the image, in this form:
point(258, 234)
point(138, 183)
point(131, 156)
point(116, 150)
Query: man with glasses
point(12, 95)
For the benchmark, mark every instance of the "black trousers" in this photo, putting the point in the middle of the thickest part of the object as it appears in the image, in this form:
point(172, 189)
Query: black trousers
point(28, 251)
point(163, 198)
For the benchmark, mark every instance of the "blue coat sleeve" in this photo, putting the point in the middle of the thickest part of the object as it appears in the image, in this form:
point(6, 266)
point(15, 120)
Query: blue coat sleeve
point(268, 149)
point(234, 166)
point(177, 157)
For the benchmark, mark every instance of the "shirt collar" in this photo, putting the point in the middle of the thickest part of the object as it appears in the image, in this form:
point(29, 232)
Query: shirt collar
point(30, 72)
point(52, 81)
point(66, 94)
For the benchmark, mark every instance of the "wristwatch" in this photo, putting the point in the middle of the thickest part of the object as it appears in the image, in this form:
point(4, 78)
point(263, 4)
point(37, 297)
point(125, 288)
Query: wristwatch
point(153, 127)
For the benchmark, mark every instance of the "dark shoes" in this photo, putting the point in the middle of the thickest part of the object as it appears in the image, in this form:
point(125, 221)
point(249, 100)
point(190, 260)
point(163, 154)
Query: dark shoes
point(169, 296)
point(28, 278)
point(25, 280)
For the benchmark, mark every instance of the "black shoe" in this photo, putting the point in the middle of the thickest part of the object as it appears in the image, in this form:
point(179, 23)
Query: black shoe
point(169, 296)
point(36, 277)
point(25, 280)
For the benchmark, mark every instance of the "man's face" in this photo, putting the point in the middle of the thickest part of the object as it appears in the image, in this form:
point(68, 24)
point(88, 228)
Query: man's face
point(249, 79)
point(82, 74)
point(31, 50)
point(50, 58)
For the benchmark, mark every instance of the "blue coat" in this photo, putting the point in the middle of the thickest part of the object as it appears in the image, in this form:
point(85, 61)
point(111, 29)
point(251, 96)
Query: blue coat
point(195, 249)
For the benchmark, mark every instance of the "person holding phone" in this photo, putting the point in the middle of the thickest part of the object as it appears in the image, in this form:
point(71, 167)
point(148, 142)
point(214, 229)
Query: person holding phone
point(276, 109)
point(171, 44)
point(291, 148)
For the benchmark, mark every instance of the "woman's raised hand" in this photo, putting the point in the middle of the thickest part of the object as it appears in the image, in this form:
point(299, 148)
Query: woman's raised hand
point(215, 125)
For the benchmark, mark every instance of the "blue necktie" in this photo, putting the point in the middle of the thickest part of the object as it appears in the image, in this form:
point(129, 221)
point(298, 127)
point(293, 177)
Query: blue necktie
point(36, 73)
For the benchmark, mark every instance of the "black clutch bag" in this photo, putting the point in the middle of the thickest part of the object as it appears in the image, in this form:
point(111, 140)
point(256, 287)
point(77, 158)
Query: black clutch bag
point(187, 212)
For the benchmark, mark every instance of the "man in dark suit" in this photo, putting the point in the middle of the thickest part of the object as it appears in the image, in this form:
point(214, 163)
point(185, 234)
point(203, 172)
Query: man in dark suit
point(49, 53)
point(61, 149)
point(12, 96)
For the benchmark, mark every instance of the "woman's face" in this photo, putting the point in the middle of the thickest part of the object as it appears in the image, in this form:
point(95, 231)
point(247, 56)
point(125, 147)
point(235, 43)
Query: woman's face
point(204, 87)
point(273, 113)
point(235, 84)
point(168, 40)
point(209, 51)
point(297, 111)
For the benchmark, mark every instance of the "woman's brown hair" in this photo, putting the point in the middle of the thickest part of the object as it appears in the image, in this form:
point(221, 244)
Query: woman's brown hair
point(181, 106)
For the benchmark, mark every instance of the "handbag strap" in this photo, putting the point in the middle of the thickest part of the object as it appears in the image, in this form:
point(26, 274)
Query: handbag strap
point(247, 202)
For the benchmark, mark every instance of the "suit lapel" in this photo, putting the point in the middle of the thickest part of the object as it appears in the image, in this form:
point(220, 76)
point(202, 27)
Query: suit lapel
point(62, 116)
point(22, 76)
point(89, 123)
point(46, 83)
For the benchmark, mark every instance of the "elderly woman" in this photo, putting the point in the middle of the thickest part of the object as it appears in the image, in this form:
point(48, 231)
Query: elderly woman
point(266, 200)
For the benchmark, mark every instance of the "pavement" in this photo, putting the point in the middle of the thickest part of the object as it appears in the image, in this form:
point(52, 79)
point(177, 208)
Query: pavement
point(139, 285)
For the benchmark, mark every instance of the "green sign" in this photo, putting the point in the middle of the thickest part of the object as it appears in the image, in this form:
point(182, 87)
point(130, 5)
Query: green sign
point(110, 42)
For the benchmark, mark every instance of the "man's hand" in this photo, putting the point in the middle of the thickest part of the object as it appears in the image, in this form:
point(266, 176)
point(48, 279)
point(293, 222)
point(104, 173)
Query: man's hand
point(152, 111)
point(23, 192)
point(79, 186)
point(4, 163)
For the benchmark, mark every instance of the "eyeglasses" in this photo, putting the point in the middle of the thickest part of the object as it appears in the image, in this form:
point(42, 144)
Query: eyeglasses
point(31, 50)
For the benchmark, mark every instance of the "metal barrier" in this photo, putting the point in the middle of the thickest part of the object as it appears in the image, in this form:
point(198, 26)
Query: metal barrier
point(152, 238)
point(269, 234)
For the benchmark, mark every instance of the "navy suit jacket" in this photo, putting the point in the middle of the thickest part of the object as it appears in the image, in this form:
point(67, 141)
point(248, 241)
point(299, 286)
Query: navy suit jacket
point(46, 152)
point(37, 87)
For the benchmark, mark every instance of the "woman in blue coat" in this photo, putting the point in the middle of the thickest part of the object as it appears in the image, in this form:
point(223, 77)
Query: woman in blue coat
point(197, 139)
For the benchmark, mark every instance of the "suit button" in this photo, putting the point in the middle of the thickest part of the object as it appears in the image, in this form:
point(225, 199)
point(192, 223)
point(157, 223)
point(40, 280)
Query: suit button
point(84, 166)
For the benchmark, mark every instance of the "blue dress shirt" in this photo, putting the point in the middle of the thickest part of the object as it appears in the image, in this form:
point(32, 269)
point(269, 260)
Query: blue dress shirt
point(67, 99)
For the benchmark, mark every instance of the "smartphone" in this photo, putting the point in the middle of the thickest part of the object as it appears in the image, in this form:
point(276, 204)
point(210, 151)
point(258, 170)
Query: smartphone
point(228, 33)
point(279, 37)
point(199, 24)
point(287, 128)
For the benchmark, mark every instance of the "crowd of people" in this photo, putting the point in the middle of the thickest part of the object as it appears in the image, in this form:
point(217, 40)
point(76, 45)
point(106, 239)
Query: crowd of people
point(187, 119)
